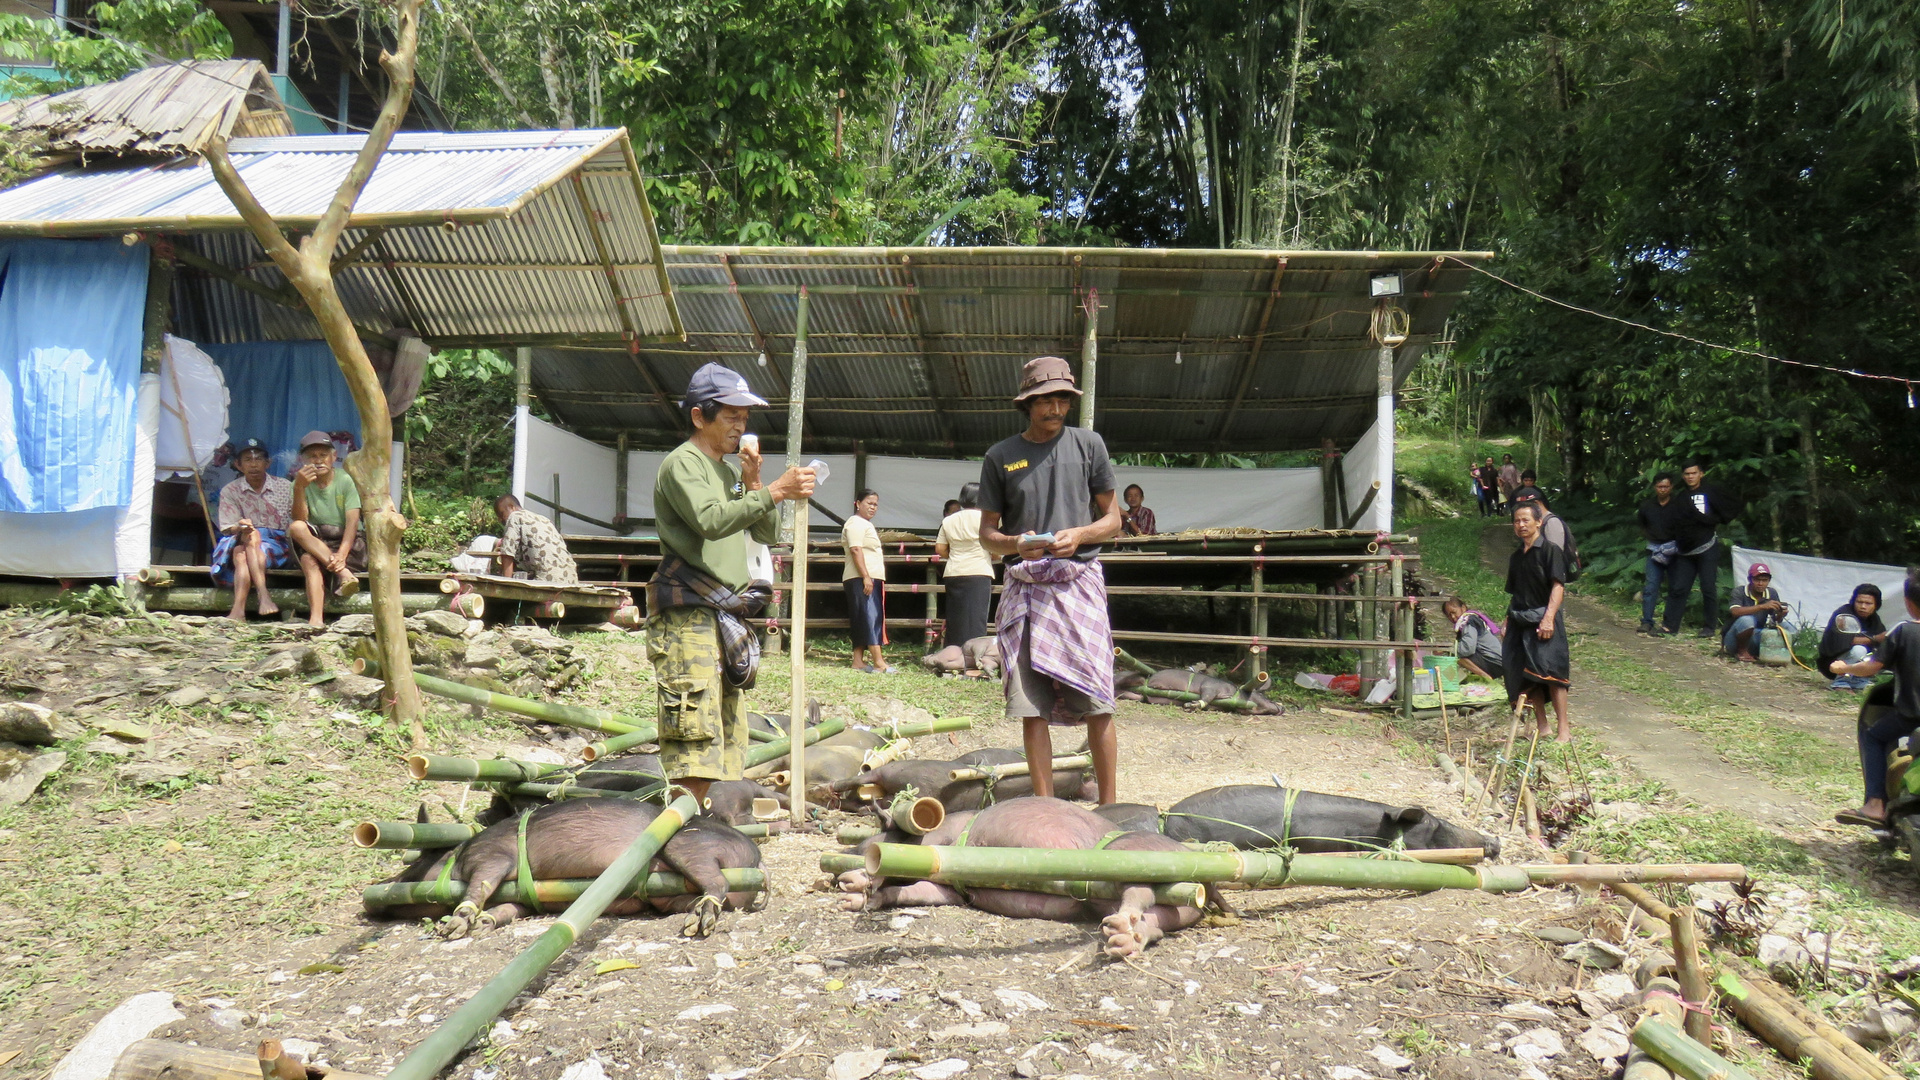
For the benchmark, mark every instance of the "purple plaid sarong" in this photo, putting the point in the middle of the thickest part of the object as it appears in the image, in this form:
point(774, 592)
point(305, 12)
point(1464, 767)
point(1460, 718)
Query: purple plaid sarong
point(1061, 606)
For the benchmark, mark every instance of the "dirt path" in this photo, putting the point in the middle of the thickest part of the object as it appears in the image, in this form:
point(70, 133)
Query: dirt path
point(1640, 730)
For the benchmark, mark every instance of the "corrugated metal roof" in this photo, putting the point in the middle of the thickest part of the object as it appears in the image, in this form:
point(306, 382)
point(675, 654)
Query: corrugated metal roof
point(919, 350)
point(167, 109)
point(470, 238)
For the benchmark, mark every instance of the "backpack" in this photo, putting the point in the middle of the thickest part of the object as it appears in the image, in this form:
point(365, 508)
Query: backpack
point(1572, 549)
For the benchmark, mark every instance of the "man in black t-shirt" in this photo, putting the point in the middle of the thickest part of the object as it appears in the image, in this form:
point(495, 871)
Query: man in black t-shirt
point(1046, 504)
point(1659, 519)
point(1900, 652)
point(1703, 508)
point(1539, 666)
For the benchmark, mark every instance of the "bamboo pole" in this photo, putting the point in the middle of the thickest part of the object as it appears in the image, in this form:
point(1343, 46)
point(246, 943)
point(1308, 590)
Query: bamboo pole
point(1256, 869)
point(446, 1042)
point(1667, 1044)
point(403, 835)
point(772, 751)
point(799, 706)
point(1456, 856)
point(276, 1064)
point(1785, 1033)
point(918, 815)
point(1692, 973)
point(854, 834)
point(437, 767)
point(549, 712)
point(839, 862)
point(1863, 1059)
point(1127, 660)
point(1017, 768)
point(159, 1059)
point(556, 892)
point(619, 744)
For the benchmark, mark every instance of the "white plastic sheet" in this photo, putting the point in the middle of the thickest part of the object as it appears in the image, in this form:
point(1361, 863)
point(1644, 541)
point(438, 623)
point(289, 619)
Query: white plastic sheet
point(1813, 588)
point(106, 541)
point(193, 410)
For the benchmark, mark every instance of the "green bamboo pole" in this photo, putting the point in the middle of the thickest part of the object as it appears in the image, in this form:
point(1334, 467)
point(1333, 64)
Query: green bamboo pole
point(447, 1041)
point(917, 814)
point(619, 744)
point(912, 729)
point(1180, 894)
point(1128, 661)
point(546, 711)
point(838, 862)
point(768, 751)
point(1016, 768)
point(1670, 1046)
point(855, 833)
point(1256, 869)
point(411, 834)
point(436, 767)
point(759, 829)
point(575, 791)
point(564, 891)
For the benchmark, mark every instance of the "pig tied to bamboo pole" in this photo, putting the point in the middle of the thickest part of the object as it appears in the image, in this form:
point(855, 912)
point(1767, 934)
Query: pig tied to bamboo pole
point(309, 269)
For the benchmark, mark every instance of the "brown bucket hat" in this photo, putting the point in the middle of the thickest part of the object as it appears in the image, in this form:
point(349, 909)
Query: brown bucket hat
point(1046, 375)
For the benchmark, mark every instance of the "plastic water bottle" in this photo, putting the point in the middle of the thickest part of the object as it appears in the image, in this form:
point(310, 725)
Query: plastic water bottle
point(820, 472)
point(749, 441)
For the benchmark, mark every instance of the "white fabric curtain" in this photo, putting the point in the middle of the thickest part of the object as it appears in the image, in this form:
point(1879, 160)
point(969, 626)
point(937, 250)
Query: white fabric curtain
point(1814, 587)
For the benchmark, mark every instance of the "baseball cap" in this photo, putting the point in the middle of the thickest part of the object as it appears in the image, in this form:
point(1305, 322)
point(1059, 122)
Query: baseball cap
point(716, 382)
point(251, 445)
point(1759, 569)
point(1046, 375)
point(315, 438)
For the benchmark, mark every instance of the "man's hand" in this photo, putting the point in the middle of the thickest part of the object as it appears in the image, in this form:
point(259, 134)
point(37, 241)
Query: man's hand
point(795, 483)
point(1838, 667)
point(750, 461)
point(867, 584)
point(305, 475)
point(1546, 627)
point(338, 563)
point(1065, 543)
point(1030, 548)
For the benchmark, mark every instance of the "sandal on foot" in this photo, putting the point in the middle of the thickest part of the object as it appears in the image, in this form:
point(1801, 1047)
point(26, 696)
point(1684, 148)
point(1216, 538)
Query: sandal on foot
point(1856, 817)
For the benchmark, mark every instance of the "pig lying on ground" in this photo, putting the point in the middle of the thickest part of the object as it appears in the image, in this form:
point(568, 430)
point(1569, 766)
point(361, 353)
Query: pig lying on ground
point(1256, 816)
point(1210, 688)
point(977, 656)
point(930, 778)
point(1131, 924)
point(580, 838)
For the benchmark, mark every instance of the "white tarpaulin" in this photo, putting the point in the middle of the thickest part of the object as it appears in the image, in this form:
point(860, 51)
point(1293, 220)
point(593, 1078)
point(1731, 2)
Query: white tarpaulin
point(1813, 588)
point(913, 490)
point(193, 410)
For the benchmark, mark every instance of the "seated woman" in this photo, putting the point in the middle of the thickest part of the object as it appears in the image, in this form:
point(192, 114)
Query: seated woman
point(1476, 640)
point(1853, 631)
point(1881, 729)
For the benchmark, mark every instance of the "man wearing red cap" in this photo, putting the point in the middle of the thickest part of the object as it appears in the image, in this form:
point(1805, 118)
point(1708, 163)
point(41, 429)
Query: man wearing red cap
point(1754, 609)
point(1046, 504)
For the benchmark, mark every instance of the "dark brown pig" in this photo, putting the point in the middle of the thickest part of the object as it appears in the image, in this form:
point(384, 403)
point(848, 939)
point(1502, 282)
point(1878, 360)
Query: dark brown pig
point(580, 838)
point(1258, 816)
point(732, 800)
point(931, 778)
point(1131, 924)
point(638, 773)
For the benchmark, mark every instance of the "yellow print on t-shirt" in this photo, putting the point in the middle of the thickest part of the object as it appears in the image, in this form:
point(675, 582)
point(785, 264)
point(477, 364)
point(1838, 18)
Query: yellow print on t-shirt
point(1021, 464)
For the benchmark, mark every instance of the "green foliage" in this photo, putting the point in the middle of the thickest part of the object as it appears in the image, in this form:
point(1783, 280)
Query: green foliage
point(93, 600)
point(440, 526)
point(132, 35)
point(460, 426)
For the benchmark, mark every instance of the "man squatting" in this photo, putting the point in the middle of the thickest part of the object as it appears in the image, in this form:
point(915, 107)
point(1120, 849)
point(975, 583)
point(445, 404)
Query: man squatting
point(704, 656)
point(1039, 491)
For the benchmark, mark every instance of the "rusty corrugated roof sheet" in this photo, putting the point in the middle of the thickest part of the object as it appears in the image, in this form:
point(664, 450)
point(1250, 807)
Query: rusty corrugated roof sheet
point(919, 350)
point(175, 108)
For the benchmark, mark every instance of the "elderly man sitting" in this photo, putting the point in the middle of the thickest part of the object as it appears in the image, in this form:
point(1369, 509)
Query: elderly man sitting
point(326, 525)
point(529, 543)
point(255, 511)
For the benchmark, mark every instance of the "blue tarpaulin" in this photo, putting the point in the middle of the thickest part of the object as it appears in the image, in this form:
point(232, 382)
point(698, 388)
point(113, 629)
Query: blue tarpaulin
point(71, 313)
point(281, 390)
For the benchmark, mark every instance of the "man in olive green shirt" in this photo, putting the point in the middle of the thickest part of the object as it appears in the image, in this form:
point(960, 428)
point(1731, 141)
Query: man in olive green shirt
point(704, 510)
point(326, 525)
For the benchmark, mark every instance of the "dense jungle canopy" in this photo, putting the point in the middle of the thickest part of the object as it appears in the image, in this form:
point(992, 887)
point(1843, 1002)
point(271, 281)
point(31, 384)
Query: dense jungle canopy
point(1742, 172)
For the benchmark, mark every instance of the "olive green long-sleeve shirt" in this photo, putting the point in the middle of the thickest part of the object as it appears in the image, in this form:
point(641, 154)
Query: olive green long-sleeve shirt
point(702, 511)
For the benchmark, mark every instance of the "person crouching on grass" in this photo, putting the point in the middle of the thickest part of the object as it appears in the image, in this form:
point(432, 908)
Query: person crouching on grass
point(1039, 492)
point(326, 525)
point(1899, 651)
point(1538, 663)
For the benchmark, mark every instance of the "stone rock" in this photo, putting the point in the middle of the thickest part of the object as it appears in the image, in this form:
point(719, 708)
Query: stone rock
point(1020, 1000)
point(1120, 1059)
point(856, 1064)
point(357, 691)
point(353, 625)
point(1775, 949)
point(185, 696)
point(502, 1034)
point(228, 1019)
point(944, 1069)
point(444, 623)
point(130, 1021)
point(1559, 935)
point(1613, 986)
point(702, 1012)
point(988, 1029)
point(1347, 1072)
point(1390, 1058)
point(298, 660)
point(28, 776)
point(151, 773)
point(1605, 1039)
point(487, 650)
point(1536, 1045)
point(1881, 1025)
point(590, 1069)
point(1627, 812)
point(1594, 953)
point(35, 725)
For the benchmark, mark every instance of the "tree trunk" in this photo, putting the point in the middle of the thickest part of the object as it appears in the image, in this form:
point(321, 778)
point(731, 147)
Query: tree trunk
point(309, 270)
point(1816, 543)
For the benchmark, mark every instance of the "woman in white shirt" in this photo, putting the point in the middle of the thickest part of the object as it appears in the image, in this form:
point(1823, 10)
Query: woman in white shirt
point(969, 572)
point(865, 580)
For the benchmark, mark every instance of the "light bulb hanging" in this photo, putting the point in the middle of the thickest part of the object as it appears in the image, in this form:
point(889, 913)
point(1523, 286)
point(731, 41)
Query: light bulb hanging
point(1177, 358)
point(763, 358)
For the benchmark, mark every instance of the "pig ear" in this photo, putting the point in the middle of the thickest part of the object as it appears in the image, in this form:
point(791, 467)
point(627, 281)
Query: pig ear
point(1410, 815)
point(421, 815)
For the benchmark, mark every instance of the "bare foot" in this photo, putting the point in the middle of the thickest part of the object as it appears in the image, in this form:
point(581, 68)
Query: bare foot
point(268, 607)
point(349, 584)
point(238, 614)
point(317, 619)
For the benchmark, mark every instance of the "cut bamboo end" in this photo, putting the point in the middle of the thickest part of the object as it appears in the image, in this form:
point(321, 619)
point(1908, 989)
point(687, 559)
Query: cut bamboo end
point(449, 585)
point(471, 605)
point(366, 834)
point(919, 816)
point(358, 667)
point(416, 764)
point(869, 792)
point(767, 809)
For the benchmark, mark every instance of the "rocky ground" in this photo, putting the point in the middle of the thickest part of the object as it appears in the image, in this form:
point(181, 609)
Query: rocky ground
point(193, 841)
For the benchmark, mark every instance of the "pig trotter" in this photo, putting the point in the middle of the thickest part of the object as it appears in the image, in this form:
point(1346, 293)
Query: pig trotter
point(460, 923)
point(704, 917)
point(855, 884)
point(1130, 932)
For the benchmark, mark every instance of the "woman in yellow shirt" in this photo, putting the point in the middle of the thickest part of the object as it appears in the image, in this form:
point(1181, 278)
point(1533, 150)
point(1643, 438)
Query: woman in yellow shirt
point(969, 572)
point(865, 580)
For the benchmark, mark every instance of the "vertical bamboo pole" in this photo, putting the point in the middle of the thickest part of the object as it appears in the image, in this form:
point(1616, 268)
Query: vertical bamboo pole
point(797, 706)
point(1089, 356)
point(620, 481)
point(1257, 655)
point(1383, 424)
point(933, 606)
point(522, 417)
point(1402, 621)
point(1693, 975)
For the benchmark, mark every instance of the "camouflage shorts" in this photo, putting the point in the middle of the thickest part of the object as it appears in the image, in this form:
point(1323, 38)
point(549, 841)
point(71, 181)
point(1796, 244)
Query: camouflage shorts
point(703, 722)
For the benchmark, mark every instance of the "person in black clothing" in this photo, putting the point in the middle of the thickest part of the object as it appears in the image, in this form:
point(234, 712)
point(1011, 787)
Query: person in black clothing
point(1703, 508)
point(1754, 610)
point(1659, 520)
point(1853, 630)
point(1900, 651)
point(1537, 661)
point(1529, 488)
point(1486, 487)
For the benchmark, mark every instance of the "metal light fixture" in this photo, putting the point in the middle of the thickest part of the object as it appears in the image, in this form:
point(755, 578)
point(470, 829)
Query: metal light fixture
point(1387, 284)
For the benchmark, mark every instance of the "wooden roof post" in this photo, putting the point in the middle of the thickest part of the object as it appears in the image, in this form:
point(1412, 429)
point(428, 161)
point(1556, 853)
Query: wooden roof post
point(797, 707)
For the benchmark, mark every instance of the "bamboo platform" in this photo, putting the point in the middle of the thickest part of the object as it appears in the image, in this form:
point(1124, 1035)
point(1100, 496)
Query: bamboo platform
point(494, 587)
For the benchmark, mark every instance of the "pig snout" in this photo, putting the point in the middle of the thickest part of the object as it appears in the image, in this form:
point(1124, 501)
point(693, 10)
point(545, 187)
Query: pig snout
point(947, 659)
point(732, 800)
point(1434, 832)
